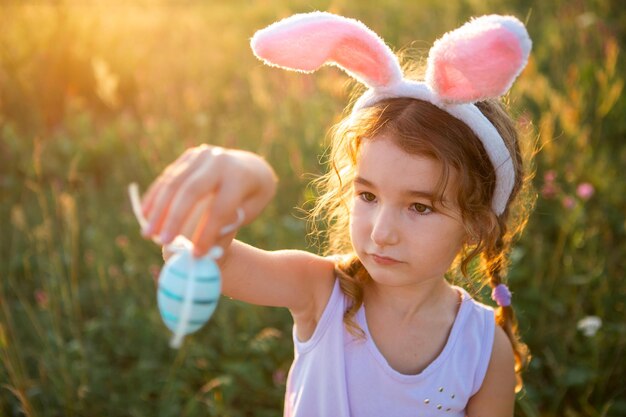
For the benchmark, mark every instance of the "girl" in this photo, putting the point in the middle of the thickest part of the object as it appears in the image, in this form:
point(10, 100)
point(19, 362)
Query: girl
point(424, 176)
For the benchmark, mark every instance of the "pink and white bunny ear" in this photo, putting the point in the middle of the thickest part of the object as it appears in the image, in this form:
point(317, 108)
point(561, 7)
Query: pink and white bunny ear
point(479, 60)
point(305, 42)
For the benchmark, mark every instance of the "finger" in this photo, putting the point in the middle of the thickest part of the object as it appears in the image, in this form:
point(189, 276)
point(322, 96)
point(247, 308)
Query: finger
point(149, 197)
point(153, 190)
point(192, 221)
point(222, 211)
point(222, 236)
point(166, 252)
point(169, 188)
point(223, 243)
point(198, 187)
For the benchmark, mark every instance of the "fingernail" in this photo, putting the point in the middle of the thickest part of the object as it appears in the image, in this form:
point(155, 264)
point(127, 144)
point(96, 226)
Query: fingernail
point(166, 237)
point(147, 231)
point(197, 252)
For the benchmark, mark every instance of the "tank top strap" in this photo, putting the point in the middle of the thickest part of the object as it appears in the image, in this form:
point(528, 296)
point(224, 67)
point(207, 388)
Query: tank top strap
point(478, 336)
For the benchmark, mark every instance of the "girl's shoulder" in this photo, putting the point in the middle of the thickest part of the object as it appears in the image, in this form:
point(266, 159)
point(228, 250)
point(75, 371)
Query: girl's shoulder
point(321, 286)
point(496, 395)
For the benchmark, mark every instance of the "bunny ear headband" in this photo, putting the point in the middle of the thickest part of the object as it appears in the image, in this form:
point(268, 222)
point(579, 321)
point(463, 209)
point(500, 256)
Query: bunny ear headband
point(477, 61)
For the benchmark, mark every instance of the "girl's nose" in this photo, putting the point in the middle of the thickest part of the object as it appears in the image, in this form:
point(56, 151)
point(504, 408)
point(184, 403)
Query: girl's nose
point(384, 229)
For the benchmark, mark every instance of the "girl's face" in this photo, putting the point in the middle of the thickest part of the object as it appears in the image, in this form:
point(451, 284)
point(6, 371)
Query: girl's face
point(398, 235)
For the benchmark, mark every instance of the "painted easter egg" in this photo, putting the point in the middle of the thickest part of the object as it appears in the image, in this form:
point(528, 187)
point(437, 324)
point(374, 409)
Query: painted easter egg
point(189, 289)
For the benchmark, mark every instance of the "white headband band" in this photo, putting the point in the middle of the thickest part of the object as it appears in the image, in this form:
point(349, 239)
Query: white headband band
point(477, 61)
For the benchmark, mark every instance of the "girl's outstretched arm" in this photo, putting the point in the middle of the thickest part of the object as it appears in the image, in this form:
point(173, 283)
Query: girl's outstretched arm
point(496, 397)
point(199, 194)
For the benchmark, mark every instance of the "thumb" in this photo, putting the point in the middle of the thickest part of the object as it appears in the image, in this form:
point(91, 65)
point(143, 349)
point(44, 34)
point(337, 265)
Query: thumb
point(218, 228)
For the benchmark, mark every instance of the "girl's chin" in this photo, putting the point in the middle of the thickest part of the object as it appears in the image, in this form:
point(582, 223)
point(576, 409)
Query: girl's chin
point(384, 274)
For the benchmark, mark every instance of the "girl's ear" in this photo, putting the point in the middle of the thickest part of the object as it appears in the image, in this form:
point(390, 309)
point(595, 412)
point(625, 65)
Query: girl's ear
point(479, 60)
point(305, 42)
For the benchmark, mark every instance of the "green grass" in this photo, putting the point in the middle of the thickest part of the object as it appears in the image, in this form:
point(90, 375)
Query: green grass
point(95, 95)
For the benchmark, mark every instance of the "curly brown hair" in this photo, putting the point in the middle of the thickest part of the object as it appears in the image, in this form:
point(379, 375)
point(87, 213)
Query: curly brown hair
point(418, 127)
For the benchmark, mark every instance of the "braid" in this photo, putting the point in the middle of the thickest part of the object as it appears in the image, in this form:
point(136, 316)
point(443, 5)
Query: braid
point(494, 259)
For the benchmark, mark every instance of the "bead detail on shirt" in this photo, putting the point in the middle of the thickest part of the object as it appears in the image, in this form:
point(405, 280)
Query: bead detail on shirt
point(441, 406)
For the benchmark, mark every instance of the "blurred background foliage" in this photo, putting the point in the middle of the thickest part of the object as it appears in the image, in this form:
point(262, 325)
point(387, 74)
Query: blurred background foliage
point(95, 94)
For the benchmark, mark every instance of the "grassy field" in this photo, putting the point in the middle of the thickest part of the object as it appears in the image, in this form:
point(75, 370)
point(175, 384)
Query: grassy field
point(97, 94)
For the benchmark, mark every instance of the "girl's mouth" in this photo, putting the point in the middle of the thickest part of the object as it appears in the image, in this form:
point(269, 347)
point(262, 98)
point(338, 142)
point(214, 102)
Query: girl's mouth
point(384, 260)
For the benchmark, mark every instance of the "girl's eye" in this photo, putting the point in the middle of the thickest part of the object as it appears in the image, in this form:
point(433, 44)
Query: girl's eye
point(421, 208)
point(369, 197)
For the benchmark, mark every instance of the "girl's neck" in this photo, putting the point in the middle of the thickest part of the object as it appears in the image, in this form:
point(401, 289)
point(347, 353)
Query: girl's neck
point(408, 302)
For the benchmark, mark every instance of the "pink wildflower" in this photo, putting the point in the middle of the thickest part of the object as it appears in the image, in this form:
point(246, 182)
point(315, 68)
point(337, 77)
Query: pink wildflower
point(585, 190)
point(524, 120)
point(114, 271)
point(90, 257)
point(121, 241)
point(549, 176)
point(41, 297)
point(155, 270)
point(279, 377)
point(548, 190)
point(568, 202)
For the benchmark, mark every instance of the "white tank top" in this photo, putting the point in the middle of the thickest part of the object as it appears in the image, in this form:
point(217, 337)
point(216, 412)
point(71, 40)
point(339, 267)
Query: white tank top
point(337, 375)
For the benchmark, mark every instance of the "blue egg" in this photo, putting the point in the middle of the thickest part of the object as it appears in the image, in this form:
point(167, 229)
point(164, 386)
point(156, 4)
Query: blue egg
point(173, 285)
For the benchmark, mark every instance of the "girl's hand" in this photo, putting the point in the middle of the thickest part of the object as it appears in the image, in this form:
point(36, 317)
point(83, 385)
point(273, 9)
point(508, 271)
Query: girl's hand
point(199, 194)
